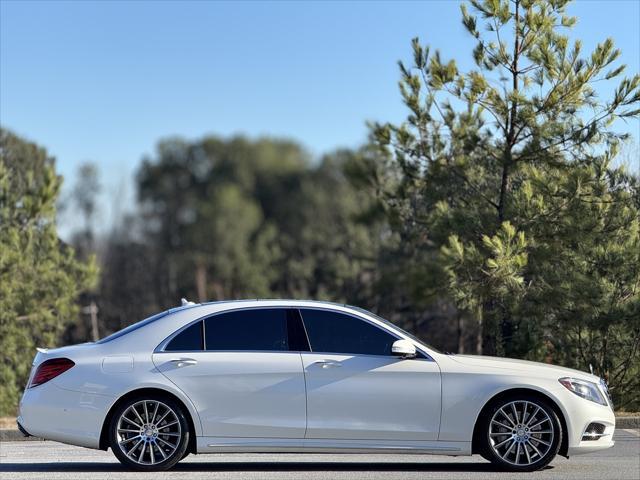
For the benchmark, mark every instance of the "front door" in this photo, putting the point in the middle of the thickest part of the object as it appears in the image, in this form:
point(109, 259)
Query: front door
point(356, 390)
point(238, 370)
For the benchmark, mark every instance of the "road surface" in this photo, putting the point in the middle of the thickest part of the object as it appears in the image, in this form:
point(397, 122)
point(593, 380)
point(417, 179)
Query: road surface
point(51, 461)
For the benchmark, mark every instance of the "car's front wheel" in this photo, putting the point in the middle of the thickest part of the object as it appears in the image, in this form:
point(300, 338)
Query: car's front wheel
point(520, 433)
point(149, 433)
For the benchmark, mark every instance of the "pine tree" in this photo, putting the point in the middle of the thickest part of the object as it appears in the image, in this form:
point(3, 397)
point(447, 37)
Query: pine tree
point(39, 275)
point(492, 167)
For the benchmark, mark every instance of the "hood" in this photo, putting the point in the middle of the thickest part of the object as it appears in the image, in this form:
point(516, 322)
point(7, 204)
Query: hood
point(533, 368)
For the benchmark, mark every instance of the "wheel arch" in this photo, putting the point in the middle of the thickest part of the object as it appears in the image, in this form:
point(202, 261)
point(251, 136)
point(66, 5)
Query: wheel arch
point(104, 432)
point(564, 445)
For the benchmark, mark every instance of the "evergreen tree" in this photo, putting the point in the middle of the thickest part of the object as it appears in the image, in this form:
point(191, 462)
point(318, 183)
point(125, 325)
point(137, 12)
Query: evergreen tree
point(39, 275)
point(504, 174)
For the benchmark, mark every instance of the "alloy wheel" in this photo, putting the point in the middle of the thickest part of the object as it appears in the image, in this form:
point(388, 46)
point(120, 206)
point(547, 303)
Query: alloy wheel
point(521, 433)
point(148, 432)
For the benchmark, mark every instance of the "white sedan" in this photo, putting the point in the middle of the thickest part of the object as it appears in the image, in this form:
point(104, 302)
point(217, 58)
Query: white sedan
point(302, 376)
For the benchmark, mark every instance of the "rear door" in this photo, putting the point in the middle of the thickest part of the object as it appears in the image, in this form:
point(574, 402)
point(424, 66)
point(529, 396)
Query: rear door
point(357, 390)
point(240, 371)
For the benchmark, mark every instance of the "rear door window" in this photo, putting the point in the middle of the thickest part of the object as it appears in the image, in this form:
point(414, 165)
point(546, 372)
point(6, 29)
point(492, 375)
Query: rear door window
point(260, 329)
point(190, 339)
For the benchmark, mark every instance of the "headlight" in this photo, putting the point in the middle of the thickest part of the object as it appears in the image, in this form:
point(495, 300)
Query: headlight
point(584, 389)
point(605, 389)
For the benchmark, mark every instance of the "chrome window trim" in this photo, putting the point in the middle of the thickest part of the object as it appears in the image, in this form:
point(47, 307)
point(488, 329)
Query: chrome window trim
point(162, 345)
point(361, 318)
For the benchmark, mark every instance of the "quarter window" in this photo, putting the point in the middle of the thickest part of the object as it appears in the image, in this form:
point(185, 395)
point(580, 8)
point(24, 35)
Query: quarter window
point(334, 332)
point(253, 329)
point(189, 339)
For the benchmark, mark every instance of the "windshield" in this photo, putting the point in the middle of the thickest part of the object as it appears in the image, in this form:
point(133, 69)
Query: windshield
point(141, 323)
point(394, 326)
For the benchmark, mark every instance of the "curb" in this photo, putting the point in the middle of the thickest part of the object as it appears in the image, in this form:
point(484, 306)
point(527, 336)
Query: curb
point(16, 436)
point(628, 422)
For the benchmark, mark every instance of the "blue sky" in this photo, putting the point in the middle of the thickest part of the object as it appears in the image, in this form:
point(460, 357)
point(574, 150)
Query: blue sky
point(103, 81)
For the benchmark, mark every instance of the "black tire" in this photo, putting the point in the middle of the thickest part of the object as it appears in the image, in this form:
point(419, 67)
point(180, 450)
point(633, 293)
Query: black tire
point(525, 443)
point(151, 446)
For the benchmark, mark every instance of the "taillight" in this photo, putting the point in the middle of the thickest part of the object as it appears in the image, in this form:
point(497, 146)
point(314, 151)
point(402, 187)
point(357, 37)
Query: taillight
point(50, 369)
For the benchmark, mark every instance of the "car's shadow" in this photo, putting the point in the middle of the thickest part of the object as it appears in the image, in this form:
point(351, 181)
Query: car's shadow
point(259, 467)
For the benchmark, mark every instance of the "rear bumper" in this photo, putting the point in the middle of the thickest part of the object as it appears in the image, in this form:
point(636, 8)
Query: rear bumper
point(67, 416)
point(21, 428)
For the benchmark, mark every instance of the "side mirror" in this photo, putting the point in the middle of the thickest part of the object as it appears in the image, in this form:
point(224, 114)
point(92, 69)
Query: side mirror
point(403, 348)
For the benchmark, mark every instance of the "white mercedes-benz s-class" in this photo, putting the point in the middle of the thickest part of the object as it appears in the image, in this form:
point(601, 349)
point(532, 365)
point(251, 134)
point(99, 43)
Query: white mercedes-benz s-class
point(303, 376)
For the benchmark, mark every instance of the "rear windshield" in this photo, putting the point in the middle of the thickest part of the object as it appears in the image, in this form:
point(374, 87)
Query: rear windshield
point(141, 324)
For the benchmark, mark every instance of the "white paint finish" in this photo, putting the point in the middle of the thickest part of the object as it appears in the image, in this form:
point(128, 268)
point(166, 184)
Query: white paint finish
point(371, 397)
point(578, 414)
point(242, 394)
point(468, 386)
point(542, 370)
point(88, 377)
point(366, 403)
point(583, 448)
point(292, 445)
point(66, 416)
point(403, 348)
point(117, 364)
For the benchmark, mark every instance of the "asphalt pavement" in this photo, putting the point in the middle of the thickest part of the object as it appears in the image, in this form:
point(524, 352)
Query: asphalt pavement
point(51, 461)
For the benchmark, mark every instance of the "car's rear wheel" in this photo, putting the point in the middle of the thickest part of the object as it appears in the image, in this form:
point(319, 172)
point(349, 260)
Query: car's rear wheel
point(149, 433)
point(520, 433)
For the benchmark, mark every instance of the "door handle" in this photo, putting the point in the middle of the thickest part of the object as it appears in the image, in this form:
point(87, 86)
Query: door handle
point(183, 362)
point(328, 363)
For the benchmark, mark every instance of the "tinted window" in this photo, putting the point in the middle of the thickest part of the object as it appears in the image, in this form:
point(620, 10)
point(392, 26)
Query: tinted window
point(297, 337)
point(257, 329)
point(384, 320)
point(189, 339)
point(333, 332)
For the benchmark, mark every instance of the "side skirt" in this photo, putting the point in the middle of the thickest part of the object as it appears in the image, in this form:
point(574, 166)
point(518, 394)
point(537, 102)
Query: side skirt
point(299, 445)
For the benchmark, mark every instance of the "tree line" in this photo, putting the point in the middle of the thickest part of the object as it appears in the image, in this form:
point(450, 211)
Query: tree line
point(497, 218)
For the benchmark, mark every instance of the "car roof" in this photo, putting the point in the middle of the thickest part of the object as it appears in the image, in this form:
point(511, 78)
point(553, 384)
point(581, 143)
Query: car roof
point(277, 301)
point(167, 322)
point(193, 310)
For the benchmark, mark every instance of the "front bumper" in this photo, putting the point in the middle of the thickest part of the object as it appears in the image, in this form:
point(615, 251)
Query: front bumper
point(588, 443)
point(579, 414)
point(590, 447)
